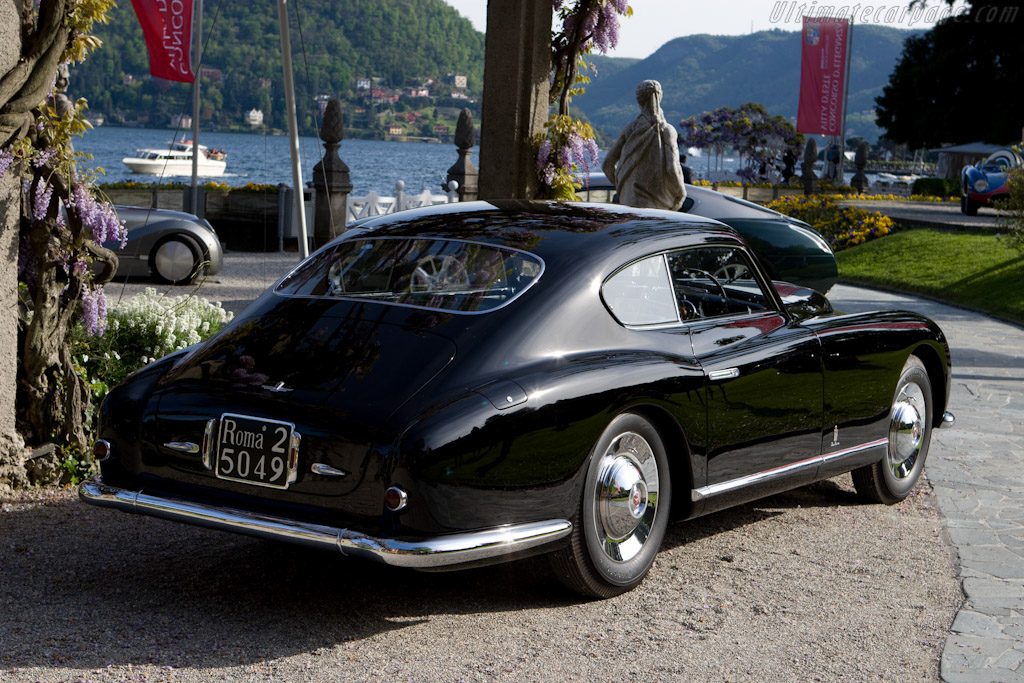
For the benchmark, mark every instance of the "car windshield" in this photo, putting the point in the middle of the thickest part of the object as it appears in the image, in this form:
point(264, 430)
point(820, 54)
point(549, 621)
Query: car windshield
point(451, 275)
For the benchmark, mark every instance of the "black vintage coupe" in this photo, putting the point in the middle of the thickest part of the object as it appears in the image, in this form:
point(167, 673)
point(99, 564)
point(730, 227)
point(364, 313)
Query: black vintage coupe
point(474, 383)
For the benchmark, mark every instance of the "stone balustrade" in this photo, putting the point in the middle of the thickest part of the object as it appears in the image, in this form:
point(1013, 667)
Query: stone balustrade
point(373, 204)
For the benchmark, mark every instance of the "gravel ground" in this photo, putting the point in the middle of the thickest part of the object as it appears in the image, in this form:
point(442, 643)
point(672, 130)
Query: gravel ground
point(808, 585)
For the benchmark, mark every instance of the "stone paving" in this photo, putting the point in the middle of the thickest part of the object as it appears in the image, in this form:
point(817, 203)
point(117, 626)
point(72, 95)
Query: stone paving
point(977, 471)
point(929, 214)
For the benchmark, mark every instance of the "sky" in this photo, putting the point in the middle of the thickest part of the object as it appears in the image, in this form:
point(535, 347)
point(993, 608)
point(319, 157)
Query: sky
point(655, 22)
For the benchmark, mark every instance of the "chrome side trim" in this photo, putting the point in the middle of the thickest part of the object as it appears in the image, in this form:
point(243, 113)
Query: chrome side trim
point(729, 373)
point(326, 470)
point(183, 446)
point(779, 472)
point(416, 553)
point(835, 455)
point(211, 425)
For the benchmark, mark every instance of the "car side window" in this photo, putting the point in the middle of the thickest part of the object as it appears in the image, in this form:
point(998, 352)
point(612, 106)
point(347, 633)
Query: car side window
point(715, 281)
point(641, 294)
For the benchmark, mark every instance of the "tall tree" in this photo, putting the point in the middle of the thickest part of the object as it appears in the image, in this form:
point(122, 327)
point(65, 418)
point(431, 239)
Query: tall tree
point(958, 82)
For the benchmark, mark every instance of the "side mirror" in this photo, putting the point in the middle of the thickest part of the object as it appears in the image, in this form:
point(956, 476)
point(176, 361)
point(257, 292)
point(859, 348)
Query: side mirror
point(801, 302)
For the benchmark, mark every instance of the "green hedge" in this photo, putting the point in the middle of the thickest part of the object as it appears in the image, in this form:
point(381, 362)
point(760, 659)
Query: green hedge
point(936, 187)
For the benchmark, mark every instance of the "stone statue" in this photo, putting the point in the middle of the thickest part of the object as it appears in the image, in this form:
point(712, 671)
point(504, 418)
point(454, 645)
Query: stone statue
point(859, 180)
point(643, 164)
point(62, 101)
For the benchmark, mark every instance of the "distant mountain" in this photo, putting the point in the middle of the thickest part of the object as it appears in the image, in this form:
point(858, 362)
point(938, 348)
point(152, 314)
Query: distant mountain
point(701, 73)
point(406, 42)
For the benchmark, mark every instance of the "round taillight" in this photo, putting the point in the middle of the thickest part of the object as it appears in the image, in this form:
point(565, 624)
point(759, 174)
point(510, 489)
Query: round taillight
point(101, 450)
point(395, 499)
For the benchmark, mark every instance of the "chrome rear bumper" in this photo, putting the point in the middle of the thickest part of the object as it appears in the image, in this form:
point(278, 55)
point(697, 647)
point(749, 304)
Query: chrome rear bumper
point(416, 553)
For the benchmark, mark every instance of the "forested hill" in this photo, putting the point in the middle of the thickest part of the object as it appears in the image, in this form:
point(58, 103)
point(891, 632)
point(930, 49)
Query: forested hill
point(402, 42)
point(406, 42)
point(702, 72)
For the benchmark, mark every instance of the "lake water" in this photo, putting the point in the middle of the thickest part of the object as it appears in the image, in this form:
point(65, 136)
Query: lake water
point(374, 165)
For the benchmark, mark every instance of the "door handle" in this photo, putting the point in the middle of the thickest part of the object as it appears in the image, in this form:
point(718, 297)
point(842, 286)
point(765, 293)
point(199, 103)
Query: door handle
point(728, 373)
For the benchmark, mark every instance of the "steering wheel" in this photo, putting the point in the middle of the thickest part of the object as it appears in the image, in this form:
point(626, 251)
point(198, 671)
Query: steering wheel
point(438, 273)
point(731, 272)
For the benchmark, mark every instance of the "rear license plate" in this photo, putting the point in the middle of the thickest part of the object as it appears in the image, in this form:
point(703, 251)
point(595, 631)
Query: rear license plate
point(256, 451)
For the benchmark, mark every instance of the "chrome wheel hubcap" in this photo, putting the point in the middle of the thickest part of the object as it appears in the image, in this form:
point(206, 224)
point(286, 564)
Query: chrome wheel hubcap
point(174, 260)
point(626, 499)
point(906, 430)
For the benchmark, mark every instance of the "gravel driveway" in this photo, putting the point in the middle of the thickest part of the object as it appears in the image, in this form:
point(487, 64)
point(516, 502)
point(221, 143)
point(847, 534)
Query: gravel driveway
point(809, 585)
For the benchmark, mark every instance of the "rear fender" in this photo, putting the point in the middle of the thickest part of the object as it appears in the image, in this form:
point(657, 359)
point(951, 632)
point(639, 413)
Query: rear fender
point(475, 450)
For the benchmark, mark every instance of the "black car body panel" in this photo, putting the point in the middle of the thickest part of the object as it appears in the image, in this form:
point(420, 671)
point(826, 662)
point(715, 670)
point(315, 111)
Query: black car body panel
point(486, 420)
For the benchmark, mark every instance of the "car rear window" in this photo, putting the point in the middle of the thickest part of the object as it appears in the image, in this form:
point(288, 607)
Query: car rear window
point(451, 275)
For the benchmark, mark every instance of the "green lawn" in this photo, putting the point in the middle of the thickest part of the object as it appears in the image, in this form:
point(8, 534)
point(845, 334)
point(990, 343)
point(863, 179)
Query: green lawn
point(978, 271)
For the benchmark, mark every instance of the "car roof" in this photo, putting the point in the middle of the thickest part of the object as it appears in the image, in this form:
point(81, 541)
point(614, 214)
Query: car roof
point(556, 230)
point(706, 202)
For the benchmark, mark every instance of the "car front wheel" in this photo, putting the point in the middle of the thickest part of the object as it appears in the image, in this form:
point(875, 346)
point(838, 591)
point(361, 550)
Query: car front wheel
point(175, 260)
point(623, 511)
point(891, 479)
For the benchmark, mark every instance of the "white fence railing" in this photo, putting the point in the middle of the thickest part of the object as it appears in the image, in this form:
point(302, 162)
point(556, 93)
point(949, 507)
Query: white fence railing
point(374, 204)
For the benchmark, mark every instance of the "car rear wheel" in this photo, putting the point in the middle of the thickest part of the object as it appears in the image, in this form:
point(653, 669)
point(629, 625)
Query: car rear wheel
point(623, 512)
point(176, 260)
point(891, 479)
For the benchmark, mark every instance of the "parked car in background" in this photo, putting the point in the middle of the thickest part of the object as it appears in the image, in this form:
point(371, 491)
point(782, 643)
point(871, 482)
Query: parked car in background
point(171, 246)
point(788, 248)
point(473, 383)
point(985, 183)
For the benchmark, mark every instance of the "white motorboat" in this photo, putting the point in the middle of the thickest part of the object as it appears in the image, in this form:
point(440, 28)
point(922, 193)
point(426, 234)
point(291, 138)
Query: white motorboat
point(176, 160)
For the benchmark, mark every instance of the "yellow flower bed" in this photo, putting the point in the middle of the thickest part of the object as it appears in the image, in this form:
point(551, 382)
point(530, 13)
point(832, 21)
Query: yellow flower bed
point(842, 226)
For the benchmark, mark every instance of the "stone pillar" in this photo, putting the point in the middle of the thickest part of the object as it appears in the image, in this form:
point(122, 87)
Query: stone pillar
point(12, 470)
point(331, 180)
point(859, 180)
point(463, 171)
point(515, 101)
point(809, 178)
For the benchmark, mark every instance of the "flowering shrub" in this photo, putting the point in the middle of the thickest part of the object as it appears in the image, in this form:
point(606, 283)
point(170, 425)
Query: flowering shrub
point(256, 187)
point(767, 143)
point(127, 185)
point(912, 198)
point(1011, 214)
point(562, 150)
point(842, 226)
point(139, 331)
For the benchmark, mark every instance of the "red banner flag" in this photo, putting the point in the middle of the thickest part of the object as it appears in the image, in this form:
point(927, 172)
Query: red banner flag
point(823, 75)
point(167, 28)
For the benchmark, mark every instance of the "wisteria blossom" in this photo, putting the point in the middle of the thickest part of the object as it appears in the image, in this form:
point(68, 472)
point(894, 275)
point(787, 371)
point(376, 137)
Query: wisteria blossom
point(566, 151)
point(94, 310)
point(42, 194)
point(99, 217)
point(6, 157)
point(44, 157)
